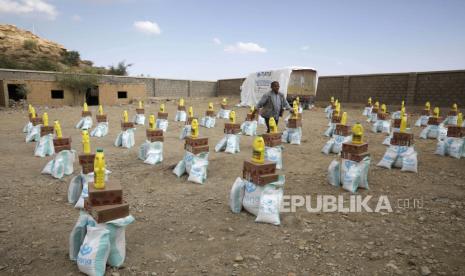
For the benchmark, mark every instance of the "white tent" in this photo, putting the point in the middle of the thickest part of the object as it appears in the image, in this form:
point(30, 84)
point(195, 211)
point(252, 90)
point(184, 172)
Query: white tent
point(257, 84)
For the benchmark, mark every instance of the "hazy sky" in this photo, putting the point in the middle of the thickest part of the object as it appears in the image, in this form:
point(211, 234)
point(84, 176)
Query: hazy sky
point(210, 40)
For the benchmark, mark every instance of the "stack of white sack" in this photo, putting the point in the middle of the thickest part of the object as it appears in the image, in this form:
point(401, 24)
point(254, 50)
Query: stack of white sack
point(27, 128)
point(329, 111)
point(229, 143)
point(249, 128)
point(45, 146)
point(451, 146)
point(330, 130)
point(195, 165)
point(85, 123)
point(334, 145)
point(100, 130)
point(292, 136)
point(350, 174)
point(125, 139)
point(403, 157)
point(78, 189)
point(450, 120)
point(139, 119)
point(387, 140)
point(223, 113)
point(33, 135)
point(186, 131)
point(367, 111)
point(422, 121)
point(208, 121)
point(181, 116)
point(434, 132)
point(262, 201)
point(162, 124)
point(151, 152)
point(383, 126)
point(61, 165)
point(94, 245)
point(372, 117)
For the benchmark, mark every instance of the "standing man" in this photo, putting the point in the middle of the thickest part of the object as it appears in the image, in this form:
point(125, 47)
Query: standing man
point(273, 103)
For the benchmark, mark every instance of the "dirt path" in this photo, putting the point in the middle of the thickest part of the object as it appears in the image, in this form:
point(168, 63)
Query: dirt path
point(183, 228)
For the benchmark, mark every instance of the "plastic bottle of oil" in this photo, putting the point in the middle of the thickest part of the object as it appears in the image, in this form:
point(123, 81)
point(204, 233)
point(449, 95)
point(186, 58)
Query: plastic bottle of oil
point(85, 142)
point(100, 110)
point(141, 105)
point(85, 107)
point(162, 108)
point(258, 153)
point(57, 128)
point(273, 126)
point(454, 107)
point(210, 106)
point(436, 112)
point(33, 112)
point(369, 101)
point(427, 106)
point(459, 120)
point(181, 102)
point(357, 134)
point(194, 128)
point(332, 100)
point(344, 118)
point(45, 118)
point(383, 108)
point(403, 124)
point(152, 122)
point(125, 116)
point(99, 170)
point(232, 117)
point(224, 101)
point(190, 112)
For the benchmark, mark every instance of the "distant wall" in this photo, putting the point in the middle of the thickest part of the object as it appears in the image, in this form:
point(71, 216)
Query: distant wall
point(441, 88)
point(229, 87)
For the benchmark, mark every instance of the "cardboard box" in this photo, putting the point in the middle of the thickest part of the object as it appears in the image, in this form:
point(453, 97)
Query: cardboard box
point(294, 123)
point(343, 130)
point(182, 108)
point(61, 144)
point(224, 106)
point(189, 120)
point(155, 135)
point(426, 112)
point(86, 114)
point(402, 139)
point(210, 113)
point(259, 174)
point(354, 157)
point(230, 128)
point(87, 162)
point(101, 118)
point(140, 111)
point(434, 121)
point(162, 115)
point(272, 139)
point(336, 119)
point(110, 195)
point(252, 116)
point(37, 121)
point(106, 213)
point(45, 130)
point(455, 131)
point(383, 116)
point(354, 148)
point(126, 126)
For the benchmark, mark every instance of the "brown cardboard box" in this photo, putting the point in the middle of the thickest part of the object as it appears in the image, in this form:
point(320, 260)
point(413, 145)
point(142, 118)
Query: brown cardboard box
point(272, 139)
point(45, 130)
point(162, 115)
point(101, 118)
point(111, 194)
point(355, 148)
point(230, 128)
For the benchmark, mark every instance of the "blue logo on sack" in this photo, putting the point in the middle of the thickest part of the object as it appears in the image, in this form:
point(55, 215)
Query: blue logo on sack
point(85, 249)
point(250, 187)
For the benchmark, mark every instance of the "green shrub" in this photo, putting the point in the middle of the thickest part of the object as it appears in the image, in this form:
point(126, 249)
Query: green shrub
point(30, 44)
point(71, 58)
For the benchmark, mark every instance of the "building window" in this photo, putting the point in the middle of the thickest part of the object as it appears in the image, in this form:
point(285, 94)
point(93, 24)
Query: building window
point(122, 94)
point(58, 94)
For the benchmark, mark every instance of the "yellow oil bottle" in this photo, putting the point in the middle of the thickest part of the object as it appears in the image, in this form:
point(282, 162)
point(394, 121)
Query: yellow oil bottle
point(190, 112)
point(459, 119)
point(33, 112)
point(383, 108)
point(210, 106)
point(402, 105)
point(162, 108)
point(436, 112)
point(141, 105)
point(403, 124)
point(85, 142)
point(357, 134)
point(295, 112)
point(57, 128)
point(344, 118)
point(369, 101)
point(99, 170)
point(181, 102)
point(194, 128)
point(332, 100)
point(402, 112)
point(224, 101)
point(298, 100)
point(252, 109)
point(258, 153)
point(125, 116)
point(85, 107)
point(45, 118)
point(29, 108)
point(100, 110)
point(427, 106)
point(377, 105)
point(454, 107)
point(273, 126)
point(232, 117)
point(338, 108)
point(152, 122)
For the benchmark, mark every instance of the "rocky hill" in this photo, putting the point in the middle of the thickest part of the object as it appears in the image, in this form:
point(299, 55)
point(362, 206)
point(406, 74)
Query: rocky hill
point(21, 49)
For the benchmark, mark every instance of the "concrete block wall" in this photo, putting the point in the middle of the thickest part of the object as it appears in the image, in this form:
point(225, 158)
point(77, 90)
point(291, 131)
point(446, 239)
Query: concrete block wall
point(229, 87)
point(441, 88)
point(202, 88)
point(171, 88)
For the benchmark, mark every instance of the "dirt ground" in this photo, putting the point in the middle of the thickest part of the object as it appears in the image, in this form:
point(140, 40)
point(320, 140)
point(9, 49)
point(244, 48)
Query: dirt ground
point(183, 228)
